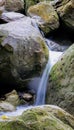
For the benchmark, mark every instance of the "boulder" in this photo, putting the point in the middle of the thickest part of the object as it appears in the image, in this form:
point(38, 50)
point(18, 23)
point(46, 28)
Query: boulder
point(45, 15)
point(39, 118)
point(5, 106)
point(12, 98)
point(11, 16)
point(60, 90)
point(23, 52)
point(65, 9)
point(14, 5)
point(29, 3)
point(27, 96)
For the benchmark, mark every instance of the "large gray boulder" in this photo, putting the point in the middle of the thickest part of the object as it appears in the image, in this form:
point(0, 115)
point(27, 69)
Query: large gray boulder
point(11, 16)
point(60, 90)
point(22, 51)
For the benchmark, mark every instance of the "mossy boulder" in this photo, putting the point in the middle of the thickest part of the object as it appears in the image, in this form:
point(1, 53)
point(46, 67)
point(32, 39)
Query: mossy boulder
point(65, 9)
point(60, 90)
point(28, 3)
point(45, 15)
point(23, 52)
point(39, 118)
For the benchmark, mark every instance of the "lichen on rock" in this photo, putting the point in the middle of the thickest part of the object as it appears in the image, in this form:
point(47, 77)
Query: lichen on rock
point(61, 82)
point(40, 118)
point(45, 15)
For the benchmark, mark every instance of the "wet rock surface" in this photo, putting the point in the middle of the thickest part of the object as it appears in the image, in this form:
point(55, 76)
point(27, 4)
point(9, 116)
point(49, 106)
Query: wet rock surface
point(23, 57)
point(22, 51)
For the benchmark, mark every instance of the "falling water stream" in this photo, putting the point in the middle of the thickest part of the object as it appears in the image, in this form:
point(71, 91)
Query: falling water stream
point(53, 58)
point(40, 97)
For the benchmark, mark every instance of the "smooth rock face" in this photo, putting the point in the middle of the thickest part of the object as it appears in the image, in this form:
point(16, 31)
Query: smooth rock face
point(5, 106)
point(45, 15)
point(22, 51)
point(60, 90)
point(46, 117)
point(11, 16)
point(14, 5)
point(65, 9)
point(27, 96)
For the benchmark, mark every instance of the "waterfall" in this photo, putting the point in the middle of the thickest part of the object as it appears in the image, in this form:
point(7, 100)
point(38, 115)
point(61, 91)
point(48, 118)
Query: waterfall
point(42, 86)
point(53, 58)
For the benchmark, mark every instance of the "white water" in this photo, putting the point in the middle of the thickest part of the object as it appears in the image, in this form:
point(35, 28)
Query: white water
point(53, 58)
point(21, 109)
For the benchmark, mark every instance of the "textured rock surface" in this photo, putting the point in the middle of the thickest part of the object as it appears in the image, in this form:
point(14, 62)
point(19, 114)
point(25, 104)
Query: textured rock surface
point(61, 82)
point(14, 5)
point(47, 117)
point(5, 106)
point(45, 16)
point(29, 3)
point(65, 9)
point(2, 4)
point(22, 51)
point(12, 98)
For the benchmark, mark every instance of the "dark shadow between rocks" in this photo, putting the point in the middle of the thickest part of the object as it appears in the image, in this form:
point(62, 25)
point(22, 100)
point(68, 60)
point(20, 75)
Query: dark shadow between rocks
point(63, 35)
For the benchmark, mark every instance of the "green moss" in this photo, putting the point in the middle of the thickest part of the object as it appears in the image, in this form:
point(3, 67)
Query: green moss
point(36, 119)
point(28, 3)
point(61, 82)
point(49, 17)
point(63, 67)
point(13, 125)
point(66, 12)
point(44, 48)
